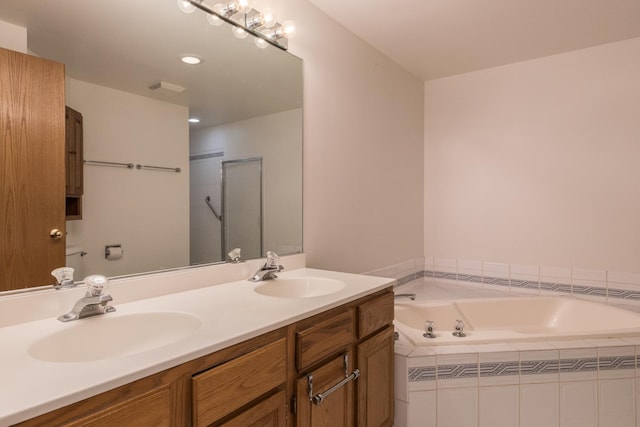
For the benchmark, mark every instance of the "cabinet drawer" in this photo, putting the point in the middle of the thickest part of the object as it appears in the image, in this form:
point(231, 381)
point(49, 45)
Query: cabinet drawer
point(153, 409)
point(375, 314)
point(225, 388)
point(324, 339)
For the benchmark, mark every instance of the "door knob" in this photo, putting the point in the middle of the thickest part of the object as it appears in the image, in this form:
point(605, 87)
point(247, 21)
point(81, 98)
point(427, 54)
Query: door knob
point(55, 234)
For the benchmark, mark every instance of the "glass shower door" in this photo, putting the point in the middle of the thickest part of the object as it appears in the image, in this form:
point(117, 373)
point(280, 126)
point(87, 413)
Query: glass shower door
point(242, 207)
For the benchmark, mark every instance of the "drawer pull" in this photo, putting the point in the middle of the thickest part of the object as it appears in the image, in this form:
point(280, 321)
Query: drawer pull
point(319, 398)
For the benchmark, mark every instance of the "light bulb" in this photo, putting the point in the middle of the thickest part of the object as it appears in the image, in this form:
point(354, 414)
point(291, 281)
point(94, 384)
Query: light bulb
point(186, 6)
point(244, 6)
point(214, 20)
point(261, 43)
point(288, 29)
point(239, 32)
point(268, 19)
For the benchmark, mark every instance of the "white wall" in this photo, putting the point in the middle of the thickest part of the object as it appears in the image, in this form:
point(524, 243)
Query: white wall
point(13, 37)
point(145, 211)
point(363, 147)
point(275, 138)
point(537, 162)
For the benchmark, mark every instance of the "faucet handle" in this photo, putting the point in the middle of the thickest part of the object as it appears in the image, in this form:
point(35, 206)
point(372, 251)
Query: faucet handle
point(235, 255)
point(64, 277)
point(96, 284)
point(272, 259)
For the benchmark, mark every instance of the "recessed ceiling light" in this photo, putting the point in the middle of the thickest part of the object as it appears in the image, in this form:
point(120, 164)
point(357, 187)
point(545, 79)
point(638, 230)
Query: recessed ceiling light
point(194, 120)
point(190, 59)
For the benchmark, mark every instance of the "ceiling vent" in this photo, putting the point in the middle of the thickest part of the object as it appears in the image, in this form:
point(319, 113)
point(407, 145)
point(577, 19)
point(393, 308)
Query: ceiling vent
point(165, 86)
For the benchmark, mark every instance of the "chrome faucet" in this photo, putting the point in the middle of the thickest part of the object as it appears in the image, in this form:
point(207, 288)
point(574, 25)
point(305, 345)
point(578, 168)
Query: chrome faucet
point(269, 269)
point(93, 303)
point(412, 297)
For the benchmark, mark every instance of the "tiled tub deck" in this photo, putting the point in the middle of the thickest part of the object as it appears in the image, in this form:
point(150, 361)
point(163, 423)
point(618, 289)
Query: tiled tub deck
point(561, 383)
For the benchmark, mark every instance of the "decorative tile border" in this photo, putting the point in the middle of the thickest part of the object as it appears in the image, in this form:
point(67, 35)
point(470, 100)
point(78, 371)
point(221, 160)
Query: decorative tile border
point(619, 362)
point(450, 372)
point(423, 373)
point(539, 367)
point(576, 289)
point(528, 367)
point(499, 369)
point(568, 366)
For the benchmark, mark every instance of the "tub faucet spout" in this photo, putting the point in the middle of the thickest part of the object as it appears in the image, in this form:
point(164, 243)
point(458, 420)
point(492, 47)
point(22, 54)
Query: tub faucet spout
point(412, 297)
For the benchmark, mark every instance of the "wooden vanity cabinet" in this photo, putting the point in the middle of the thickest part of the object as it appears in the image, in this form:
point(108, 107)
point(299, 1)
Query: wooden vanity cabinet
point(329, 348)
point(264, 382)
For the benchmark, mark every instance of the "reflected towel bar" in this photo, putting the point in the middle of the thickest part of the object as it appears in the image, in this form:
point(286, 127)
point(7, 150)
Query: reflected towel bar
point(159, 168)
point(101, 163)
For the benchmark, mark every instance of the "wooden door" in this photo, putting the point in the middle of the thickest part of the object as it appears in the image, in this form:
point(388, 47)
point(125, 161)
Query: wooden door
point(375, 386)
point(32, 182)
point(337, 409)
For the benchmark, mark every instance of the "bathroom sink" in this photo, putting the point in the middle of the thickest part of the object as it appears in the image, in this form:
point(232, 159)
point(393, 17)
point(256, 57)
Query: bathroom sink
point(109, 336)
point(299, 287)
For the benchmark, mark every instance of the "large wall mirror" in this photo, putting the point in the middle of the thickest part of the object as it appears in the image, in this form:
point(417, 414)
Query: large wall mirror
point(125, 76)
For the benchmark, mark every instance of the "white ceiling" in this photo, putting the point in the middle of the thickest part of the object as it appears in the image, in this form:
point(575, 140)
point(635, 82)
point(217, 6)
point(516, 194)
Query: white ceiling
point(438, 38)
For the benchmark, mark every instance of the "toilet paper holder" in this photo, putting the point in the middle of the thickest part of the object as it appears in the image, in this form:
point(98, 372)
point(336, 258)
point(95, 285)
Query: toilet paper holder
point(112, 252)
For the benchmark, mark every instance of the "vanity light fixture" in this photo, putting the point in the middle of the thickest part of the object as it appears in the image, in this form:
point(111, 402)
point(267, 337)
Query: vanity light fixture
point(246, 20)
point(190, 59)
point(194, 120)
point(264, 19)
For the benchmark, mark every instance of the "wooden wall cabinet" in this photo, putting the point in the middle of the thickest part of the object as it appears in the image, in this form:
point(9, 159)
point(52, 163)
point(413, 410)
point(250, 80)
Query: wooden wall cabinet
point(264, 382)
point(74, 175)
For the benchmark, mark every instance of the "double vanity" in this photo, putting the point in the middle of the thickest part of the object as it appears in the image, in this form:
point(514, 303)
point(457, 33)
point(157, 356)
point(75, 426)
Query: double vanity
point(294, 350)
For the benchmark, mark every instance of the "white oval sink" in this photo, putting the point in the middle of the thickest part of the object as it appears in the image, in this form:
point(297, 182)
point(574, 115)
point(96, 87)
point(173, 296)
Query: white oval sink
point(107, 336)
point(299, 287)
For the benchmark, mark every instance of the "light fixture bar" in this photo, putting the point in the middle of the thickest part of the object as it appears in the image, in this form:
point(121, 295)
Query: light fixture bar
point(228, 20)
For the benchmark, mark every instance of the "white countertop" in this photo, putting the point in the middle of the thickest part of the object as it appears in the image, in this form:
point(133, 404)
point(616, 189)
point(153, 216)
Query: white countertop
point(230, 313)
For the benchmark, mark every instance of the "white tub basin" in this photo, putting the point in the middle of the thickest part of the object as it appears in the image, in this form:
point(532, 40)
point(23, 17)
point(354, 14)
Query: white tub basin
point(299, 287)
point(111, 335)
point(513, 319)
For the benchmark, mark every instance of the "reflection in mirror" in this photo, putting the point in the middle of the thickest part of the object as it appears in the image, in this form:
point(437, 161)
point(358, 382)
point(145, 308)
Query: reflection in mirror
point(124, 75)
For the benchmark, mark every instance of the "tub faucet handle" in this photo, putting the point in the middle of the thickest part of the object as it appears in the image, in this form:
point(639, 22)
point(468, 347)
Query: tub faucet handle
point(459, 329)
point(430, 329)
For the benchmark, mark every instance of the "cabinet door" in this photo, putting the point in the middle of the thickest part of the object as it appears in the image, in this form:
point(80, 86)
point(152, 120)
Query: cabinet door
point(375, 386)
point(31, 169)
point(270, 412)
point(337, 409)
point(73, 160)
